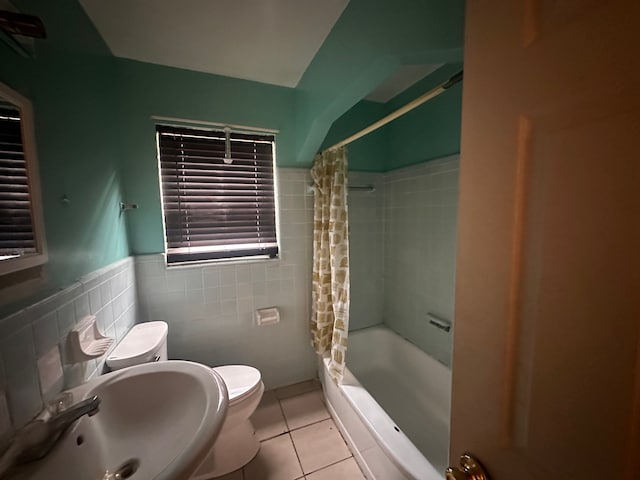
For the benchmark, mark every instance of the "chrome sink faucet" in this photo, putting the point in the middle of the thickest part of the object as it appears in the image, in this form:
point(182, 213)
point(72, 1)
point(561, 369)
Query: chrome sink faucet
point(36, 439)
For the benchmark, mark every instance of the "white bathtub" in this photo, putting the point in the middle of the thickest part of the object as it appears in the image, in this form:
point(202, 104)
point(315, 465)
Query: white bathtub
point(393, 406)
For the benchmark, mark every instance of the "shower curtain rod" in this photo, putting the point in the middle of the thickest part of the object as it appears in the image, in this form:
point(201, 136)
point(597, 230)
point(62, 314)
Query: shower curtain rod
point(401, 111)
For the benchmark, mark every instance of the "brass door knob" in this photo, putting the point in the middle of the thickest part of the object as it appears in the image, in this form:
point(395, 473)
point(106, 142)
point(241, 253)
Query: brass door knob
point(470, 469)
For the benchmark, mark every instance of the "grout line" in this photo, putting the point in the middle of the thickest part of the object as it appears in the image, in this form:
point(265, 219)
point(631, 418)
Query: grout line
point(309, 424)
point(297, 455)
point(312, 388)
point(332, 464)
point(312, 423)
point(289, 429)
point(274, 436)
point(284, 417)
point(328, 465)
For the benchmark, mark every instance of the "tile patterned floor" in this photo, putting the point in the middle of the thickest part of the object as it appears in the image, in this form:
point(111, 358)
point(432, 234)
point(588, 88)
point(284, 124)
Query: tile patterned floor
point(298, 439)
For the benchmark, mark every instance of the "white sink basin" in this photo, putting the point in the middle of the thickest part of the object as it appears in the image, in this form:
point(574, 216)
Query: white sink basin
point(156, 421)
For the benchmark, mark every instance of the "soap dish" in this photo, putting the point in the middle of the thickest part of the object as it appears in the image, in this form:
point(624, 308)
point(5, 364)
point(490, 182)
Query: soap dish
point(86, 342)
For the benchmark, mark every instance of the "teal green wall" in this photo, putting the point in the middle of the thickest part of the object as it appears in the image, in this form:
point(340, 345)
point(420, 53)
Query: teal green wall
point(369, 153)
point(366, 45)
point(71, 86)
point(95, 137)
point(147, 90)
point(430, 131)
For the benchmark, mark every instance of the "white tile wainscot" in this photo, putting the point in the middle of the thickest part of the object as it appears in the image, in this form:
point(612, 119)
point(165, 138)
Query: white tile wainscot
point(209, 308)
point(33, 354)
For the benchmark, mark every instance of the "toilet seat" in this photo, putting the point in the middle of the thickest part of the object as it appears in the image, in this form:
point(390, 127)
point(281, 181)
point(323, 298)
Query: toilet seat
point(241, 381)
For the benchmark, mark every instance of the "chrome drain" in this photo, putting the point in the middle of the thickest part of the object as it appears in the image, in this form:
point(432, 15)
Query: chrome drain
point(126, 470)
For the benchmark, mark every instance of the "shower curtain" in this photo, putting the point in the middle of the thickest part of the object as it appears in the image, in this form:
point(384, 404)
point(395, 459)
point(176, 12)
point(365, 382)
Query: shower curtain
point(330, 289)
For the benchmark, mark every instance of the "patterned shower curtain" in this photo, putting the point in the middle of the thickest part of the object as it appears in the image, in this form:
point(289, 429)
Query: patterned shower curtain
point(330, 290)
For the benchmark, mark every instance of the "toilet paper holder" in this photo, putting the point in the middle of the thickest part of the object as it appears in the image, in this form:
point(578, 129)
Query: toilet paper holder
point(267, 316)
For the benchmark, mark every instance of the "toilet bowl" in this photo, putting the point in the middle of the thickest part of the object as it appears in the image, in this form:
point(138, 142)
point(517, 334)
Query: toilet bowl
point(237, 443)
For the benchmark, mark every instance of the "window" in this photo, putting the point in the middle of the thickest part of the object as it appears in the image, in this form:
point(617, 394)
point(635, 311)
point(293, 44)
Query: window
point(22, 242)
point(218, 197)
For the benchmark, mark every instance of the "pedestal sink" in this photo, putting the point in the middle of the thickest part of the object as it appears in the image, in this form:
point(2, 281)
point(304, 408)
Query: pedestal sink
point(156, 421)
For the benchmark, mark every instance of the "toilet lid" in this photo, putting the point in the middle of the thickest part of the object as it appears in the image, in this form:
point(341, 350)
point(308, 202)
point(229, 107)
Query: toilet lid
point(241, 380)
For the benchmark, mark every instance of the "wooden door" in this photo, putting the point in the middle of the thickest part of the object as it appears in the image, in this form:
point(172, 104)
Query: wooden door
point(546, 380)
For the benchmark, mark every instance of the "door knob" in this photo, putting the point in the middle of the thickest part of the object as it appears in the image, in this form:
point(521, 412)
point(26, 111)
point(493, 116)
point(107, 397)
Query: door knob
point(470, 469)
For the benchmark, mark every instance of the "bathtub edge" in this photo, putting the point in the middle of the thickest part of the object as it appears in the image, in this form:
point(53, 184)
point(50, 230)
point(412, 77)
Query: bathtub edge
point(372, 460)
point(357, 455)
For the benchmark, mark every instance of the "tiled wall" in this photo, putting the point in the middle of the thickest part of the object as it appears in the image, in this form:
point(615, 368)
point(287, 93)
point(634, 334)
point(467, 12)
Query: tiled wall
point(420, 224)
point(402, 251)
point(366, 249)
point(210, 309)
point(402, 268)
point(34, 365)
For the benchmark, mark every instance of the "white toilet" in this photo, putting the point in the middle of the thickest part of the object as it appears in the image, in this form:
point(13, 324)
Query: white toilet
point(237, 443)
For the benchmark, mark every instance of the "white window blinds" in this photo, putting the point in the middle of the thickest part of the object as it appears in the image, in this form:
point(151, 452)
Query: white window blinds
point(218, 194)
point(16, 224)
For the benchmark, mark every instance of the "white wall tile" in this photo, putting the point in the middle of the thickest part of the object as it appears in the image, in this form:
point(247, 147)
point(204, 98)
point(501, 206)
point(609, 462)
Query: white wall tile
point(211, 278)
point(176, 282)
point(211, 295)
point(95, 300)
point(244, 290)
point(243, 274)
point(105, 293)
point(419, 243)
point(258, 272)
point(45, 333)
point(66, 317)
point(104, 318)
point(366, 250)
point(81, 306)
point(194, 297)
point(245, 305)
point(221, 330)
point(228, 307)
point(50, 373)
point(193, 279)
point(23, 393)
point(32, 368)
point(227, 275)
point(228, 292)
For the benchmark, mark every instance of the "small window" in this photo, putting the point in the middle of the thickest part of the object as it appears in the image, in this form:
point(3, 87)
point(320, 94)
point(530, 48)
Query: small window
point(22, 243)
point(218, 196)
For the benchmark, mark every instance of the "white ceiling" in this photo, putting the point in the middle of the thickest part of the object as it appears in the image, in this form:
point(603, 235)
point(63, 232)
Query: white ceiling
point(268, 41)
point(400, 80)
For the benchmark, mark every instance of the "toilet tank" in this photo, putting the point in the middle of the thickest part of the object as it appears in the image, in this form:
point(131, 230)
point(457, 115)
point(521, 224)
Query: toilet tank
point(145, 342)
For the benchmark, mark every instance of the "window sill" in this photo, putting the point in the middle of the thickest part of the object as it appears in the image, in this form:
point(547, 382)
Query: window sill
point(24, 262)
point(219, 262)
